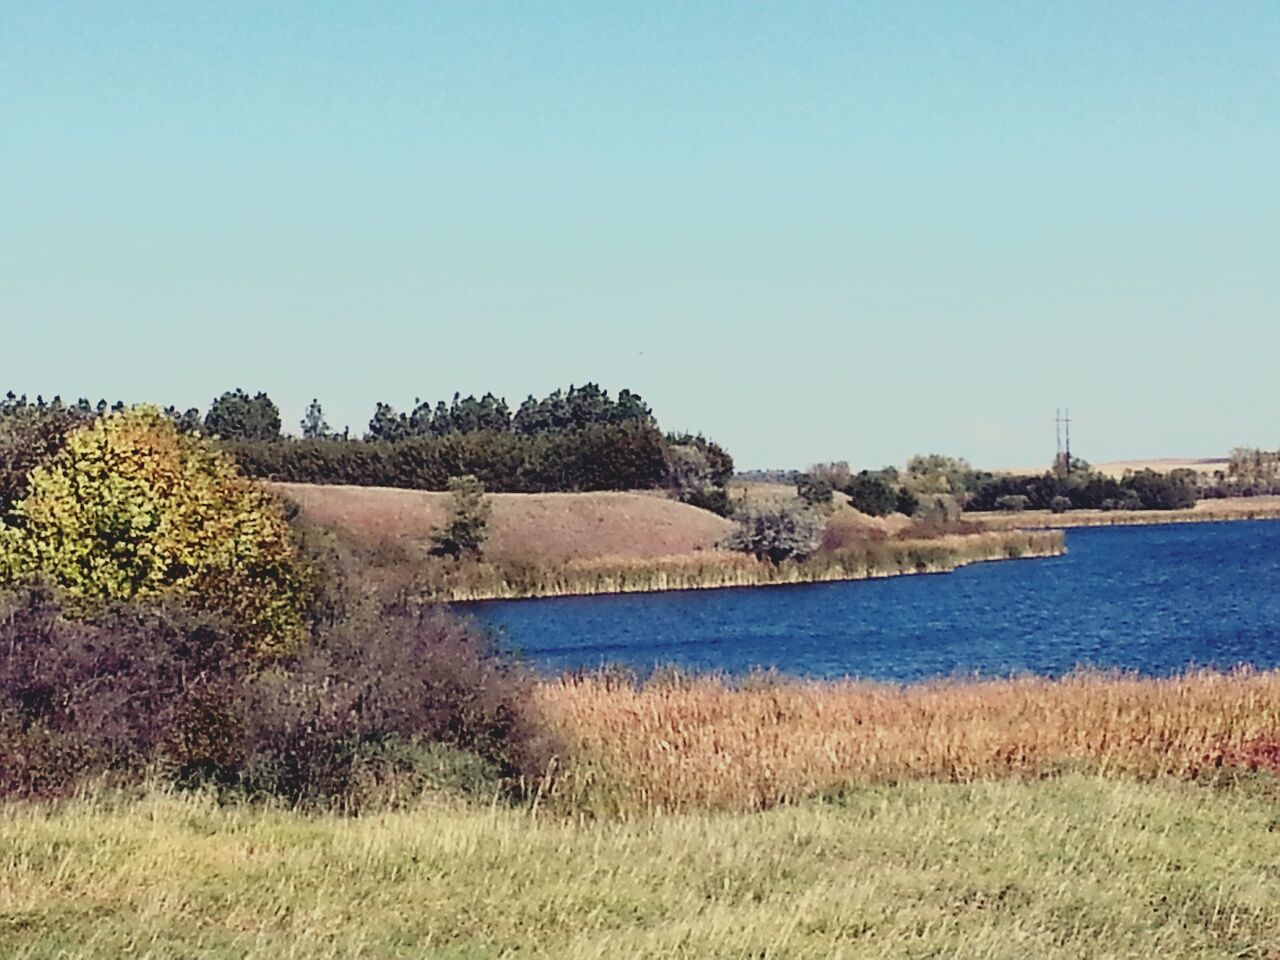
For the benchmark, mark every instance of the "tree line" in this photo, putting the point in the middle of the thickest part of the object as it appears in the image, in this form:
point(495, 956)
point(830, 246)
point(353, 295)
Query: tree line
point(1067, 486)
point(577, 439)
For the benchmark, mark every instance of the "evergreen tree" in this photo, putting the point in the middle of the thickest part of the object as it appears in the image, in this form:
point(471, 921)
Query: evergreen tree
point(465, 532)
point(187, 421)
point(387, 424)
point(313, 423)
point(237, 416)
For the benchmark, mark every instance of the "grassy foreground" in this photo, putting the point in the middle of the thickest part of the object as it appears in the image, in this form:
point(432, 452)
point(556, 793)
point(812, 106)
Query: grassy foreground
point(1069, 868)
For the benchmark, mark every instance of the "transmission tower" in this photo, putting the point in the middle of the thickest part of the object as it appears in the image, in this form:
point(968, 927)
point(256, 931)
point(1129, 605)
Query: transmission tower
point(1062, 422)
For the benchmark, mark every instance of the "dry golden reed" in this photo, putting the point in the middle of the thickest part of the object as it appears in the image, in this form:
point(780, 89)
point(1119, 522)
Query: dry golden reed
point(722, 568)
point(703, 743)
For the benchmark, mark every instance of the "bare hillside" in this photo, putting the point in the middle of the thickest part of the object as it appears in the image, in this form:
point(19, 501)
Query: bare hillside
point(543, 526)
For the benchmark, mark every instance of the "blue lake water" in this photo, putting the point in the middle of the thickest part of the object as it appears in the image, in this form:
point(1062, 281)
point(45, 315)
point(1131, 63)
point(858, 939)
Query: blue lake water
point(1152, 599)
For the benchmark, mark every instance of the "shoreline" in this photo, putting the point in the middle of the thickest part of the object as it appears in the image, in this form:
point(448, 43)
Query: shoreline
point(722, 570)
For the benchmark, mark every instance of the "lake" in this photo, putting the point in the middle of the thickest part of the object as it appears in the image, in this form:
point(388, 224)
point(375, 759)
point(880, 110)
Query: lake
point(1154, 599)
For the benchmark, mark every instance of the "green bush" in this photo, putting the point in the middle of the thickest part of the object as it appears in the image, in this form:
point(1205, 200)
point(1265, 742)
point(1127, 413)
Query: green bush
point(814, 491)
point(872, 494)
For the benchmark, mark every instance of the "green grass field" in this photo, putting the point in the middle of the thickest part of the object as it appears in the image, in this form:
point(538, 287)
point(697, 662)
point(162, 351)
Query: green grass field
point(1073, 867)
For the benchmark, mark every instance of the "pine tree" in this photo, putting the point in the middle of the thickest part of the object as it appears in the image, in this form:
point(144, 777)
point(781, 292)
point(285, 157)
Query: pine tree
point(467, 528)
point(313, 423)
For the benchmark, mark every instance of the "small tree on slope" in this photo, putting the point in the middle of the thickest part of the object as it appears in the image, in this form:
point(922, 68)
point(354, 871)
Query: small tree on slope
point(465, 532)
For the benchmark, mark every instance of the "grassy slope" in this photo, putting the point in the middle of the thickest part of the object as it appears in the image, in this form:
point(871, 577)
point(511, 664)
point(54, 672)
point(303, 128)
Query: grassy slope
point(1077, 867)
point(550, 527)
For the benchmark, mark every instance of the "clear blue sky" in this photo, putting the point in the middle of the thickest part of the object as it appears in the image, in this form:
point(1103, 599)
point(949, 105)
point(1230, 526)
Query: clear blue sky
point(813, 230)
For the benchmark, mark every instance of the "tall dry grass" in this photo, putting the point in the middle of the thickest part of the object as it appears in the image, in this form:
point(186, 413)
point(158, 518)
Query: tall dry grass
point(721, 568)
point(702, 743)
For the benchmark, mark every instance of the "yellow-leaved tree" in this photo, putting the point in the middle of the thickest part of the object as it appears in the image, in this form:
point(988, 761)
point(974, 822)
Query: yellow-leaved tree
point(132, 508)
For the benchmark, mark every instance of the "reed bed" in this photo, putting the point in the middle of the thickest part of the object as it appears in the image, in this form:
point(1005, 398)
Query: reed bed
point(721, 568)
point(681, 743)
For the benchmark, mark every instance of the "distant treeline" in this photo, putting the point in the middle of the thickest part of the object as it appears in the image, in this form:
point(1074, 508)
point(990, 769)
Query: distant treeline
point(576, 439)
point(928, 479)
point(1087, 490)
point(1249, 472)
point(238, 416)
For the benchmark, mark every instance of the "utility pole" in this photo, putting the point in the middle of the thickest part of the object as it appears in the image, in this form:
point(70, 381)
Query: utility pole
point(1057, 426)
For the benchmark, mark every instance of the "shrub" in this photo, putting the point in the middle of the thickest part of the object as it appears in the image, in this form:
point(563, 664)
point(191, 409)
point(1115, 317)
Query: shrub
point(937, 515)
point(378, 685)
point(872, 494)
point(1060, 504)
point(776, 532)
point(136, 688)
point(814, 491)
point(390, 698)
point(465, 533)
point(715, 499)
point(1013, 502)
point(130, 508)
point(907, 503)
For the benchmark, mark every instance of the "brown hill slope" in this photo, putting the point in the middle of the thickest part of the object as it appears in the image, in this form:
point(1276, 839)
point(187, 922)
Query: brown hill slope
point(549, 527)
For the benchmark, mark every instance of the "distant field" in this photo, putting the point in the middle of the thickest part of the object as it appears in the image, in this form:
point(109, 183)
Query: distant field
point(550, 527)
